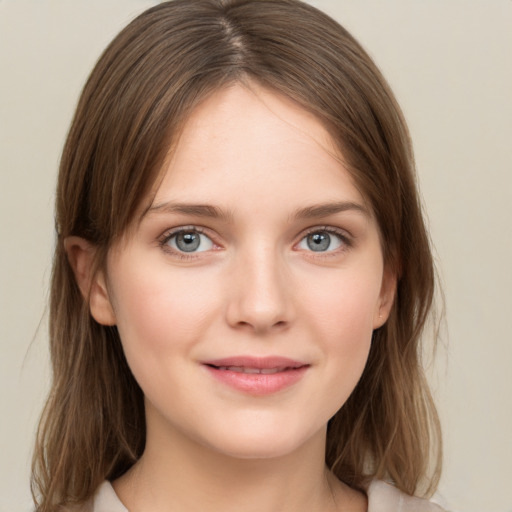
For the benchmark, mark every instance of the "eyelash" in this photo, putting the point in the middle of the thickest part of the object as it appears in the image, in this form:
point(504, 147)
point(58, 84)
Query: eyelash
point(346, 240)
point(164, 240)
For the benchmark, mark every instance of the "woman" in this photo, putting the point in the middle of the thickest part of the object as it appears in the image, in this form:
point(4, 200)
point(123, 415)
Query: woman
point(241, 278)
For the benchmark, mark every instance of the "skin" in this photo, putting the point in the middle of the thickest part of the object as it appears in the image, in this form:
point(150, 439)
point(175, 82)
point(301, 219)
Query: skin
point(254, 287)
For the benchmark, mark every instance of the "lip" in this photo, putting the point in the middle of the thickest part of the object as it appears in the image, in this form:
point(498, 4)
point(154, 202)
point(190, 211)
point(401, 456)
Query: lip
point(267, 375)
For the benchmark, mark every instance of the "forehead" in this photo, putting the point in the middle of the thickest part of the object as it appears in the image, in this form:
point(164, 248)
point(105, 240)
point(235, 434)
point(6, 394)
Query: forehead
point(246, 141)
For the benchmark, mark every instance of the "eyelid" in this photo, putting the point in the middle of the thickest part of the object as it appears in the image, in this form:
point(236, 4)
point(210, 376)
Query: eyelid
point(344, 235)
point(172, 232)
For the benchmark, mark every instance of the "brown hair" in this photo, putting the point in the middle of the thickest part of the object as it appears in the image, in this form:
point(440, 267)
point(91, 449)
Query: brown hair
point(139, 94)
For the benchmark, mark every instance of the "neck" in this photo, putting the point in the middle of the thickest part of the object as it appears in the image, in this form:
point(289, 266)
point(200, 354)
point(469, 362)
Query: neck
point(176, 474)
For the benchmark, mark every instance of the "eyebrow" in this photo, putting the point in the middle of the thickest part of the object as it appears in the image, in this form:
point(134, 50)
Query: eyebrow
point(196, 210)
point(326, 209)
point(210, 211)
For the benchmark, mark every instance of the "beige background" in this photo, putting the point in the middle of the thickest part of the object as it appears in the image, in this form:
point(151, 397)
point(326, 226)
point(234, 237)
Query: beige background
point(450, 64)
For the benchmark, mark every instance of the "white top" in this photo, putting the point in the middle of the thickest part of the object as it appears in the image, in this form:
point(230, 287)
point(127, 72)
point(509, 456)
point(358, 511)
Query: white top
point(382, 497)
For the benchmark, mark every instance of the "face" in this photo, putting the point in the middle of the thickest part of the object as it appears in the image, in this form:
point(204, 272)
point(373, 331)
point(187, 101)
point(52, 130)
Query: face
point(246, 297)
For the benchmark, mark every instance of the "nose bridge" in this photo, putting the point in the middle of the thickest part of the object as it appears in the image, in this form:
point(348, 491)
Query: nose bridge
point(260, 298)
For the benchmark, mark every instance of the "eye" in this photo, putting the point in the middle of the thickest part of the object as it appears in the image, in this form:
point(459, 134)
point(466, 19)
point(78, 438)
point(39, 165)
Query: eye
point(322, 240)
point(190, 240)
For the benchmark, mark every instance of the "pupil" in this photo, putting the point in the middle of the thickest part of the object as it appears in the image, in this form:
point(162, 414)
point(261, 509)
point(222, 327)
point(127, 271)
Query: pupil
point(319, 241)
point(188, 242)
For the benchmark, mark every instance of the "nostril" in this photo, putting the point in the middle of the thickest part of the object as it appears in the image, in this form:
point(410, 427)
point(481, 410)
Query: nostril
point(261, 327)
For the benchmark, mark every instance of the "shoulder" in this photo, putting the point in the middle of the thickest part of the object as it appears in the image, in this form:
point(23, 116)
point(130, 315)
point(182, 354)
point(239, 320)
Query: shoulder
point(383, 497)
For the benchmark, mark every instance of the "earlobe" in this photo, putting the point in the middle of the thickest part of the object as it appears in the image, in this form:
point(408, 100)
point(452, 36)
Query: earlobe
point(81, 256)
point(386, 299)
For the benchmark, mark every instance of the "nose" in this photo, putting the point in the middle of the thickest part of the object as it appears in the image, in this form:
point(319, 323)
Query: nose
point(260, 298)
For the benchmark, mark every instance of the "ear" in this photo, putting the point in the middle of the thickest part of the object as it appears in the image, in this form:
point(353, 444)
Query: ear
point(386, 298)
point(81, 255)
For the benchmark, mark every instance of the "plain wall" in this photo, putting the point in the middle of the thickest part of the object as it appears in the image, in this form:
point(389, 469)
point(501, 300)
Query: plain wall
point(450, 65)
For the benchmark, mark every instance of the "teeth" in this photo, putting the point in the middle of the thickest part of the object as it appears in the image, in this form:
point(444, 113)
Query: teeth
point(249, 370)
point(242, 369)
point(271, 370)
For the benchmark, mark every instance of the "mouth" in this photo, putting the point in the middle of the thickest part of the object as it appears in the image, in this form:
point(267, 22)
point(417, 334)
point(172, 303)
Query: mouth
point(248, 370)
point(257, 376)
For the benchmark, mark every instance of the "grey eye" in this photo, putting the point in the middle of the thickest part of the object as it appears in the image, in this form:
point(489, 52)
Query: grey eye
point(318, 241)
point(321, 241)
point(190, 241)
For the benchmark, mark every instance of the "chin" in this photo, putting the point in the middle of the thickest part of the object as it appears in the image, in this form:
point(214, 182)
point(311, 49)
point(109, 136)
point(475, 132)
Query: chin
point(263, 443)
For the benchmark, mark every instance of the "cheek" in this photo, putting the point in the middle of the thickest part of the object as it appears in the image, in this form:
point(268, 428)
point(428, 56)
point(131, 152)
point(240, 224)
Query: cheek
point(158, 310)
point(344, 305)
point(161, 317)
point(341, 322)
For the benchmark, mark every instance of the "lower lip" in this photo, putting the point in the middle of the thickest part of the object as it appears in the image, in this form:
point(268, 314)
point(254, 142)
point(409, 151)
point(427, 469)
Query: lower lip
point(258, 383)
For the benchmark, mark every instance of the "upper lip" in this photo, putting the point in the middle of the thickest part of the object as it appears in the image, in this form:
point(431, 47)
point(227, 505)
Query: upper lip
point(256, 362)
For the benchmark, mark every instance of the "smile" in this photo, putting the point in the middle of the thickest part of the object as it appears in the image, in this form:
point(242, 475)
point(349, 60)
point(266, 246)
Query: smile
point(257, 376)
point(243, 369)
